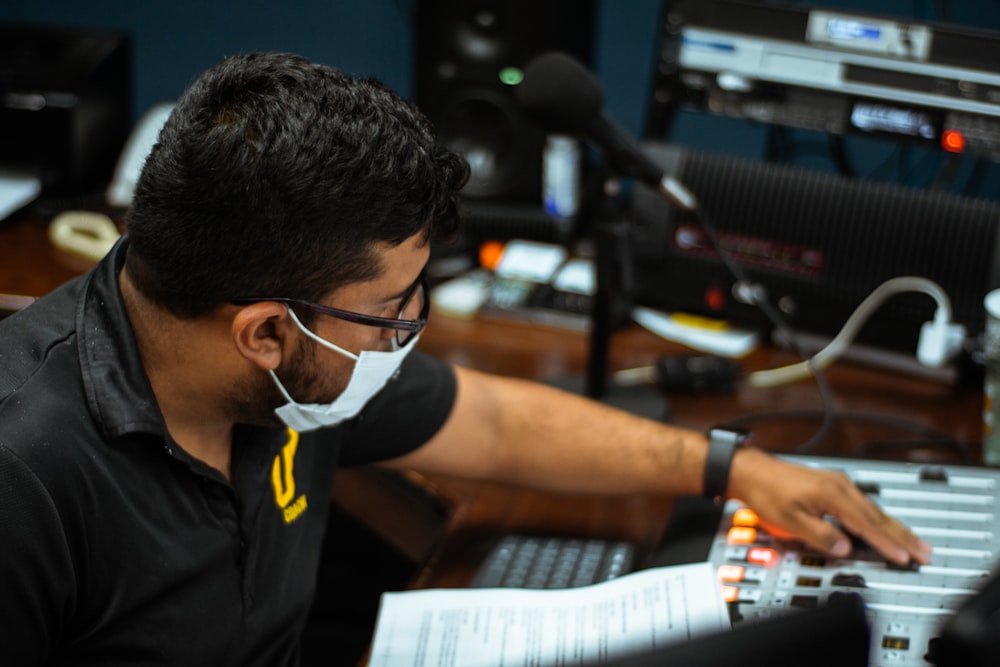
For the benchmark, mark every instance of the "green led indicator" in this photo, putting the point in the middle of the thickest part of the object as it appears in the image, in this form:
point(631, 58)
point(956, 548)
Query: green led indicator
point(511, 76)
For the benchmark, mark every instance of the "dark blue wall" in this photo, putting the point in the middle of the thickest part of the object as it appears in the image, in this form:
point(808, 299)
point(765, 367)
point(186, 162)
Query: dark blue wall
point(174, 41)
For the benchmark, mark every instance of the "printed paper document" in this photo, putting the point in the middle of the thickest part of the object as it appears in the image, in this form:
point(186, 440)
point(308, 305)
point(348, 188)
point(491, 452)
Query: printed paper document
point(641, 611)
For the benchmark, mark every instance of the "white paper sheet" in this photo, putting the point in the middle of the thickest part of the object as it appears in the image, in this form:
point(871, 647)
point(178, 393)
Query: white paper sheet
point(471, 627)
point(732, 343)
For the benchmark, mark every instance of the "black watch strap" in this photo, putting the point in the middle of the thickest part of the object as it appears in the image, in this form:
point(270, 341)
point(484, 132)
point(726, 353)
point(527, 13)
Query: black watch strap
point(722, 445)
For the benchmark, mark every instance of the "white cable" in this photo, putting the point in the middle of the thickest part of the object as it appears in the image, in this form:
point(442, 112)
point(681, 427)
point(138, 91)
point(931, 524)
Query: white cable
point(826, 356)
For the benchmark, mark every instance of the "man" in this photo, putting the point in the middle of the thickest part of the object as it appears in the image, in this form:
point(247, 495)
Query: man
point(170, 422)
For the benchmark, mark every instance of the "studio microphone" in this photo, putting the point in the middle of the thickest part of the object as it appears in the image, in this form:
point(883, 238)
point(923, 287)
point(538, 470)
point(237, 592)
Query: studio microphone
point(563, 96)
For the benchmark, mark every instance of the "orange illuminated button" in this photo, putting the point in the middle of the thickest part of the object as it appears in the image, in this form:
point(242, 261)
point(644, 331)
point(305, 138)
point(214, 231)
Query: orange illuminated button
point(730, 593)
point(762, 556)
point(745, 517)
point(730, 573)
point(741, 535)
point(490, 253)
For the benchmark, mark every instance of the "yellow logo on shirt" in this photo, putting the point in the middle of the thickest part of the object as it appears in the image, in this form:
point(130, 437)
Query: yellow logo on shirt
point(283, 480)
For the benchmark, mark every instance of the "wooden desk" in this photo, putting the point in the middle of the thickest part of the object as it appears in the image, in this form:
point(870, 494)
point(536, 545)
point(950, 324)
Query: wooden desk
point(29, 265)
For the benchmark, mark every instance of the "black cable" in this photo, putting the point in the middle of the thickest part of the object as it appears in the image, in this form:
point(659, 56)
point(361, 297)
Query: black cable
point(776, 146)
point(943, 11)
point(919, 164)
point(975, 179)
point(929, 436)
point(838, 153)
point(877, 448)
point(880, 171)
point(886, 421)
point(776, 319)
point(947, 174)
point(781, 148)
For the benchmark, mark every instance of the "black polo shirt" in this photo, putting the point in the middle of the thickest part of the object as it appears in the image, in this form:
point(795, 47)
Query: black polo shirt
point(116, 546)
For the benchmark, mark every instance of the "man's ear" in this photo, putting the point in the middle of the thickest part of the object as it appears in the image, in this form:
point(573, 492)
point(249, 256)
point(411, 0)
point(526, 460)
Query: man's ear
point(261, 333)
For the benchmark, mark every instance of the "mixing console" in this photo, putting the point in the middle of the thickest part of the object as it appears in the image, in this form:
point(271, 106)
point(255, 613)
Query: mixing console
point(952, 507)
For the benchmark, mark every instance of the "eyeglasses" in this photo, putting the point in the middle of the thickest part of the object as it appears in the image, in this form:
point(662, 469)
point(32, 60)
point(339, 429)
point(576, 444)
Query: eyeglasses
point(406, 326)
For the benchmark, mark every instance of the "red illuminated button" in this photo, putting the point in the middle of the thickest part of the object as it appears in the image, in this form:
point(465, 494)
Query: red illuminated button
point(731, 573)
point(745, 517)
point(953, 141)
point(730, 593)
point(741, 535)
point(762, 556)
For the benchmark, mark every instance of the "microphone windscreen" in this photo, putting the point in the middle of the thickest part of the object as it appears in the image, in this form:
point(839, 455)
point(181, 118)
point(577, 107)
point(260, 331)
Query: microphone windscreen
point(560, 93)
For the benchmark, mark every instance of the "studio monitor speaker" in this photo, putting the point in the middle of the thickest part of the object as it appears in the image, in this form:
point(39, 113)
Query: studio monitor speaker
point(469, 55)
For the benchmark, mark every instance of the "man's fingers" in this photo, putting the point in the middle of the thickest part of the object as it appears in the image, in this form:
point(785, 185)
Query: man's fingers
point(860, 516)
point(825, 537)
point(807, 498)
point(885, 534)
point(819, 496)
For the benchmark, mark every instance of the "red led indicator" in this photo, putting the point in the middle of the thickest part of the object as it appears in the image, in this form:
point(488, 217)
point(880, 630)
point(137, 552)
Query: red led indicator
point(762, 556)
point(953, 141)
point(715, 298)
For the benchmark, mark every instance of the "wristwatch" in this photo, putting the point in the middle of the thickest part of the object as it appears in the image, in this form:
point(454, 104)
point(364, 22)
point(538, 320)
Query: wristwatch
point(722, 445)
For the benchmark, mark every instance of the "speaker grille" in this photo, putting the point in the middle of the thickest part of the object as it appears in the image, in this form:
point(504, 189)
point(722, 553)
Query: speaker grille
point(818, 242)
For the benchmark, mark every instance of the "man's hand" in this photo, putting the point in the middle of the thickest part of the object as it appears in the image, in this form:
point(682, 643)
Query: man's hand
point(792, 500)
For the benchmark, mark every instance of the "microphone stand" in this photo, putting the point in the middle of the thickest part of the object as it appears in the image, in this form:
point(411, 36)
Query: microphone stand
point(612, 296)
point(613, 236)
point(614, 299)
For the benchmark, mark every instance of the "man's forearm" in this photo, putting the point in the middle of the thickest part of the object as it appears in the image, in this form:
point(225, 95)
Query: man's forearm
point(525, 433)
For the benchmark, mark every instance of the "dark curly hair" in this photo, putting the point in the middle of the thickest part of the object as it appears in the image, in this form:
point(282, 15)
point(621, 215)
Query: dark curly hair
point(275, 176)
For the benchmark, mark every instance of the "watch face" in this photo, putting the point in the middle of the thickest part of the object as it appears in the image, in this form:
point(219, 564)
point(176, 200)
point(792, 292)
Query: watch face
point(734, 435)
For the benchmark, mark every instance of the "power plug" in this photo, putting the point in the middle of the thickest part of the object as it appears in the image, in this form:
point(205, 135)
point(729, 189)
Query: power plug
point(940, 340)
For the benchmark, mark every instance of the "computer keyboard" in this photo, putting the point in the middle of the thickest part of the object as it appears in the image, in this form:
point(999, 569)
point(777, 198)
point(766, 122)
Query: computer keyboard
point(525, 561)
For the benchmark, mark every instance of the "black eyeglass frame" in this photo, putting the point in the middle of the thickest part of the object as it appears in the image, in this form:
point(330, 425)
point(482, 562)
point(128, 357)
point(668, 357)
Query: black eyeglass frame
point(412, 327)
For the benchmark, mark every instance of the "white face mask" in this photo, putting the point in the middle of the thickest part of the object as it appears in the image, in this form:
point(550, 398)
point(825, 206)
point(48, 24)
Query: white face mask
point(372, 370)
